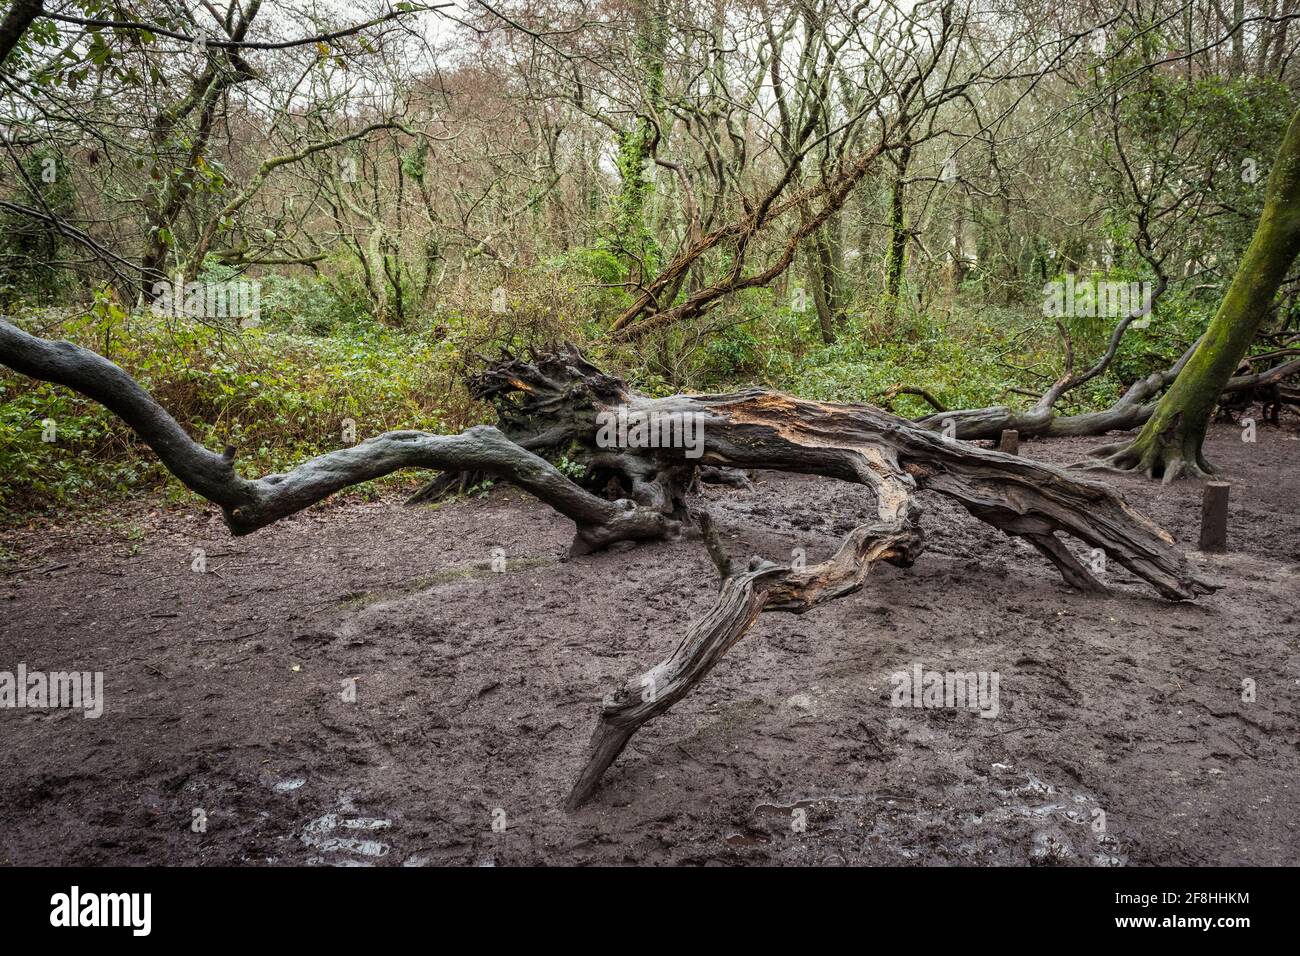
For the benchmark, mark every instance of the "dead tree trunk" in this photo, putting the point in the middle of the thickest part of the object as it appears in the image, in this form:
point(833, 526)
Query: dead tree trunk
point(560, 399)
point(636, 489)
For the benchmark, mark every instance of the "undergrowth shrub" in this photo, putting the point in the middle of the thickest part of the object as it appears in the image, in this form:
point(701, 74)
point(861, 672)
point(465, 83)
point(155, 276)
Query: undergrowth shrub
point(278, 398)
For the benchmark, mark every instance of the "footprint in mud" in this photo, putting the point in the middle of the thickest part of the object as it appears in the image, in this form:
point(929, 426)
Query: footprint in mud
point(345, 838)
point(769, 822)
point(1069, 825)
point(330, 834)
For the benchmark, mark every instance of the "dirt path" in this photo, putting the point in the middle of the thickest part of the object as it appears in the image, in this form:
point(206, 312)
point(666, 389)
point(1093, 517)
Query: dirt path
point(1122, 735)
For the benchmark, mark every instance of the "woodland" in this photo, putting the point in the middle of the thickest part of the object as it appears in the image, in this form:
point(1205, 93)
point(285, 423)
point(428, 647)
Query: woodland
point(881, 288)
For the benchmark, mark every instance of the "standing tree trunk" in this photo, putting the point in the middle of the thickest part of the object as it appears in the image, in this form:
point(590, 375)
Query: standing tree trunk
point(632, 238)
point(823, 278)
point(897, 229)
point(1170, 443)
point(1238, 38)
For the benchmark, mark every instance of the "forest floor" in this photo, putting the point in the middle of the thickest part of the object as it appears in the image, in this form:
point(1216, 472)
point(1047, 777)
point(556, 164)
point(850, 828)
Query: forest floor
point(1122, 735)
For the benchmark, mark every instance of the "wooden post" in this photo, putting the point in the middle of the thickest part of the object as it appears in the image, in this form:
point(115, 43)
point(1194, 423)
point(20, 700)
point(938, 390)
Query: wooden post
point(1214, 516)
point(1010, 442)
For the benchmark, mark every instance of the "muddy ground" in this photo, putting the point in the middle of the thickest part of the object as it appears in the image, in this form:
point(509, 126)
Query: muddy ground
point(1122, 737)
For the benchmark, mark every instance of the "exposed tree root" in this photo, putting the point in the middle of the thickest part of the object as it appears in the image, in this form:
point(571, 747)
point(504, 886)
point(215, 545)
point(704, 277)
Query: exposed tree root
point(1172, 453)
point(1162, 457)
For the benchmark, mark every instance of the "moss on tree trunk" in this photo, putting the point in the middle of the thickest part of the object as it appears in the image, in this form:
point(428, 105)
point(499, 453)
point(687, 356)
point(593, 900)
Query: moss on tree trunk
point(897, 229)
point(1170, 444)
point(631, 236)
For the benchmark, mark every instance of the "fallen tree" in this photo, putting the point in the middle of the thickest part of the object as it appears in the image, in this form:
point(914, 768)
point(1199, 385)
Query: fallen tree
point(638, 491)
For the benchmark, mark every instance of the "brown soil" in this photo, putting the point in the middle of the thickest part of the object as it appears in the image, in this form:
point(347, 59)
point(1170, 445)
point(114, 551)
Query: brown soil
point(476, 691)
